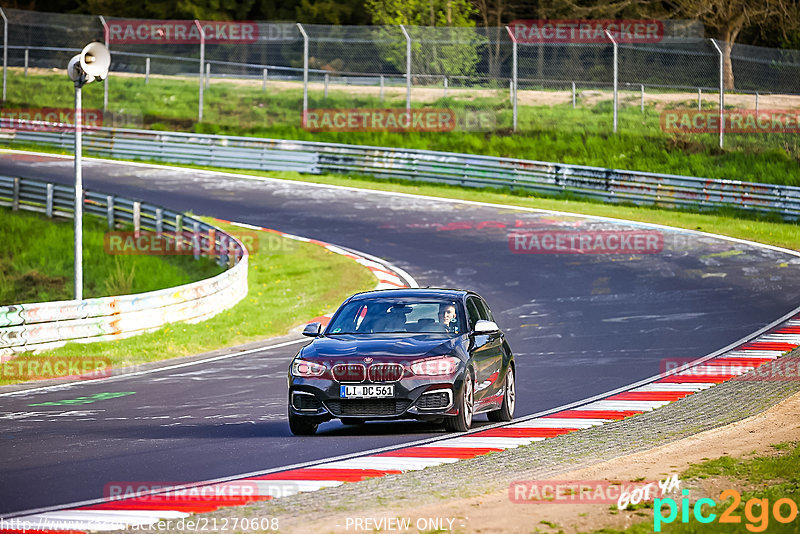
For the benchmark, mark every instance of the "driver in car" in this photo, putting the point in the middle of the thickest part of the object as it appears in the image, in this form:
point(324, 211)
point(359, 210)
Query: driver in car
point(447, 317)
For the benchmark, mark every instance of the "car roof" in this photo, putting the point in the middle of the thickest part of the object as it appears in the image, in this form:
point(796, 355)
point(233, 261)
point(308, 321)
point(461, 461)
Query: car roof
point(416, 292)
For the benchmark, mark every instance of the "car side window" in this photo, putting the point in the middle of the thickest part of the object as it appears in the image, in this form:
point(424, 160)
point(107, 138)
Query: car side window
point(484, 311)
point(473, 312)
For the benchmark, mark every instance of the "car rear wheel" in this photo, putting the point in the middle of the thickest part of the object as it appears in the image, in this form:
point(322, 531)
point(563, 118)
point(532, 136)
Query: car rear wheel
point(466, 406)
point(301, 426)
point(506, 411)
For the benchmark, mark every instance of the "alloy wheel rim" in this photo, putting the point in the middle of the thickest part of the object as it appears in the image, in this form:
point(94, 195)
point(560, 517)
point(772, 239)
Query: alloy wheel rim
point(468, 401)
point(510, 392)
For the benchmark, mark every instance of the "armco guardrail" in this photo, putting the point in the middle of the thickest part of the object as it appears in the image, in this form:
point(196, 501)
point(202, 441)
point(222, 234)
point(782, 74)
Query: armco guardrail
point(643, 188)
point(44, 325)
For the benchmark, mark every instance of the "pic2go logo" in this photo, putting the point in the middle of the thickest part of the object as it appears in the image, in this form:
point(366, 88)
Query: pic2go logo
point(756, 511)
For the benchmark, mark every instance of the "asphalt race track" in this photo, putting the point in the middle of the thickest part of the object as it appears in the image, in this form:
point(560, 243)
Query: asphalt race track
point(579, 325)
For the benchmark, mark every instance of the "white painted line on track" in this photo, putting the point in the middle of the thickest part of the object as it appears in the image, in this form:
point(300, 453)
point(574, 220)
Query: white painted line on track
point(768, 354)
point(687, 386)
point(623, 405)
point(283, 488)
point(154, 370)
point(389, 463)
point(558, 422)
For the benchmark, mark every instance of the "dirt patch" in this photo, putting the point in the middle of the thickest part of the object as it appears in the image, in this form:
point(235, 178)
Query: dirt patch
point(32, 286)
point(628, 95)
point(496, 513)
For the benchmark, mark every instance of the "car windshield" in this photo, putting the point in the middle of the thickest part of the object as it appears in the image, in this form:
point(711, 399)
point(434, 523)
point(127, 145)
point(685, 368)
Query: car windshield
point(377, 316)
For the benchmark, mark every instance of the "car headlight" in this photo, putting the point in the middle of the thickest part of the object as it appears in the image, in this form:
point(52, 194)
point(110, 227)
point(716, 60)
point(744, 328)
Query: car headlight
point(306, 368)
point(441, 365)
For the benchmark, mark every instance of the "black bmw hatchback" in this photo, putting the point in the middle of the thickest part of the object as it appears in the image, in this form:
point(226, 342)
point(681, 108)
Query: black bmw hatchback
point(429, 354)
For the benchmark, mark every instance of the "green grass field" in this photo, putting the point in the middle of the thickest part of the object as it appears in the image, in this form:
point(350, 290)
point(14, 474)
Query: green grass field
point(36, 262)
point(548, 133)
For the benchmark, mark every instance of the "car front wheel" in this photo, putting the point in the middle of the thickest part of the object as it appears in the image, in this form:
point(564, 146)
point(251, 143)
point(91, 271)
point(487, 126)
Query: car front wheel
point(466, 406)
point(301, 426)
point(506, 411)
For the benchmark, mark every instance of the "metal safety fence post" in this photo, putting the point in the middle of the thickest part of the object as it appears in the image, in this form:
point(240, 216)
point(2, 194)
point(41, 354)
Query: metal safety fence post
point(616, 72)
point(408, 67)
point(5, 51)
point(105, 82)
point(202, 61)
point(721, 94)
point(514, 77)
point(305, 68)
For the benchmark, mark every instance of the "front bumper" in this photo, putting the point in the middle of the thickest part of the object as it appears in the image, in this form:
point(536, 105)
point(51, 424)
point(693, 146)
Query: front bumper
point(414, 398)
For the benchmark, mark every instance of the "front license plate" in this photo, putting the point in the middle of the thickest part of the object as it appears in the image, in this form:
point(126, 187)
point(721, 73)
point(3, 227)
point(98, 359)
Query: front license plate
point(366, 392)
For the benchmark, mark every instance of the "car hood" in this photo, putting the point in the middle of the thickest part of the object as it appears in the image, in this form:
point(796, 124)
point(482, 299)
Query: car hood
point(381, 347)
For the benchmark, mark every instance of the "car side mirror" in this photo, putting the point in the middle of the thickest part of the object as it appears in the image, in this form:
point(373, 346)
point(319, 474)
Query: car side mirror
point(486, 327)
point(312, 329)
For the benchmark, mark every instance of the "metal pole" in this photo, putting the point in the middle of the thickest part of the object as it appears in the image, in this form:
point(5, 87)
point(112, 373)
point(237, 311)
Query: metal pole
point(445, 86)
point(514, 78)
point(642, 98)
point(105, 82)
point(611, 38)
point(699, 99)
point(326, 84)
point(202, 61)
point(573, 95)
point(305, 68)
point(264, 83)
point(27, 57)
point(756, 102)
point(147, 71)
point(5, 51)
point(78, 219)
point(721, 95)
point(208, 74)
point(408, 67)
point(382, 87)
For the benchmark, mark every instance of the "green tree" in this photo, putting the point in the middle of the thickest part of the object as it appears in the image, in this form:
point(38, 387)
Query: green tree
point(332, 12)
point(175, 9)
point(421, 12)
point(729, 17)
point(444, 41)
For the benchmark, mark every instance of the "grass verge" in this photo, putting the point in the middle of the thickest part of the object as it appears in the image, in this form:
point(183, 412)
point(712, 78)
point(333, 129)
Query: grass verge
point(546, 132)
point(289, 282)
point(36, 262)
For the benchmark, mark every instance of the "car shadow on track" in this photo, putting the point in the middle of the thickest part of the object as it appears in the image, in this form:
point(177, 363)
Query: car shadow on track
point(388, 428)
